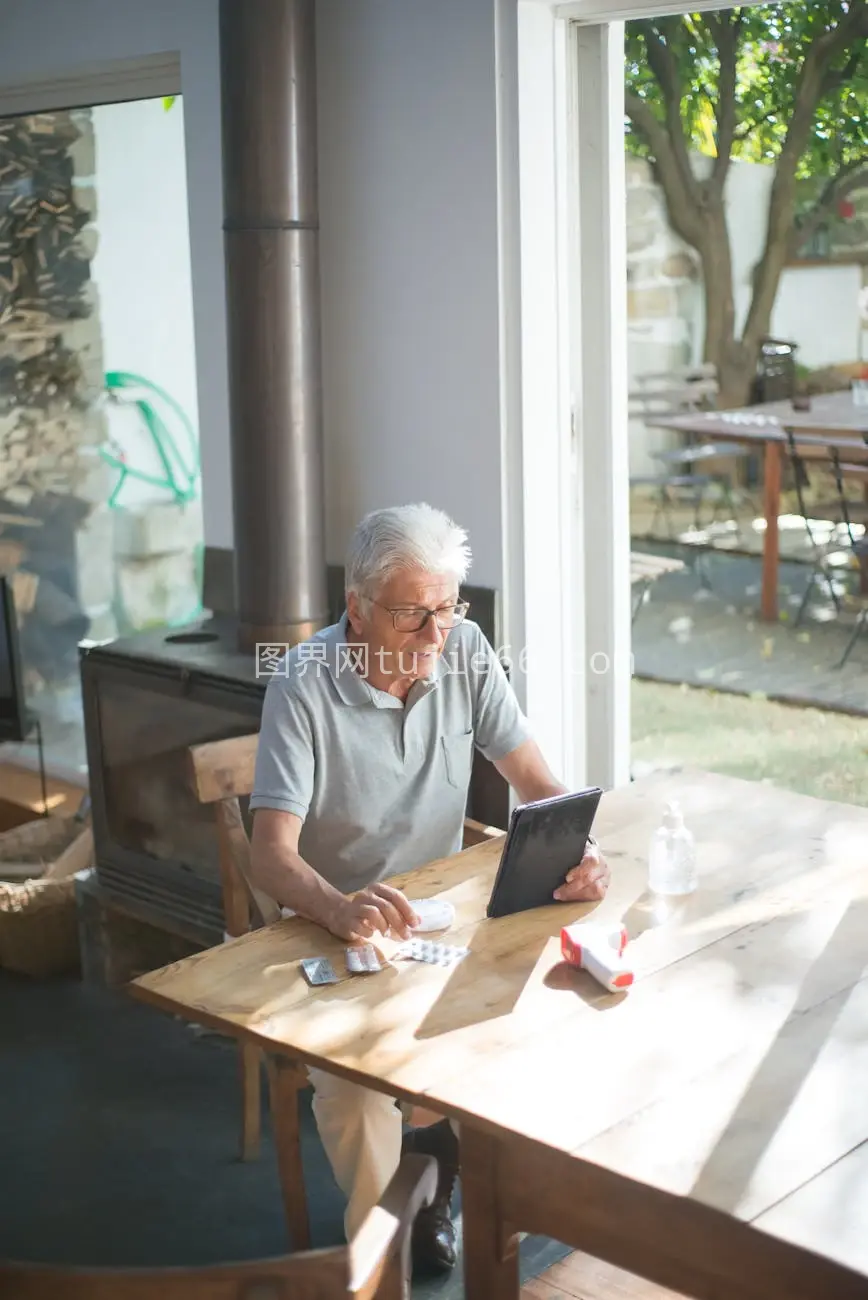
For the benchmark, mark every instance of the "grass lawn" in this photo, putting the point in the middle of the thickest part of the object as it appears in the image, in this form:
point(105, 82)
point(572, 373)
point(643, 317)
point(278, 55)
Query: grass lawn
point(809, 750)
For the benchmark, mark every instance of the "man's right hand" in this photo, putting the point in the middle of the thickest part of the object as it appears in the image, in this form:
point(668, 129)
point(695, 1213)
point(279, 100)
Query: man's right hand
point(378, 909)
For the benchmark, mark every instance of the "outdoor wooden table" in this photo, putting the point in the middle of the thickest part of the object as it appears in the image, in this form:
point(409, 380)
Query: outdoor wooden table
point(705, 1130)
point(646, 570)
point(834, 420)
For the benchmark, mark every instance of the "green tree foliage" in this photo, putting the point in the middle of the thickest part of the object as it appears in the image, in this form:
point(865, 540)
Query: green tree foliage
point(781, 84)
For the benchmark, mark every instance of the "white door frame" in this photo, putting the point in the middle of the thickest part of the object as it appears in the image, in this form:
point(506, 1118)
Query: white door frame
point(573, 585)
point(540, 464)
point(601, 515)
point(574, 591)
point(148, 77)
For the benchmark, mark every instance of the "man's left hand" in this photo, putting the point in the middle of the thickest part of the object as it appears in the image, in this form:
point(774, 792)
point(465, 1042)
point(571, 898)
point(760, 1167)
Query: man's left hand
point(588, 882)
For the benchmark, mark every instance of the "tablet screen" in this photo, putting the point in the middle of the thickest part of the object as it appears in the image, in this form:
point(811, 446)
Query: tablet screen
point(546, 840)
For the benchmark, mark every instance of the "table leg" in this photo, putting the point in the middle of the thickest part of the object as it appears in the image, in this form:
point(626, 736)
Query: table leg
point(772, 504)
point(251, 1110)
point(490, 1246)
point(287, 1079)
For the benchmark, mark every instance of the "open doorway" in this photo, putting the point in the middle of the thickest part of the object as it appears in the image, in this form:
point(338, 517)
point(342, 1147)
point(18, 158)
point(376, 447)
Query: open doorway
point(616, 318)
point(747, 248)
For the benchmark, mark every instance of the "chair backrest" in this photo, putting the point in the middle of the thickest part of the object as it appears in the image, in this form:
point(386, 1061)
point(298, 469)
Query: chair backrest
point(221, 773)
point(477, 833)
point(223, 769)
point(844, 473)
point(826, 458)
point(374, 1266)
point(674, 392)
point(313, 1275)
point(855, 473)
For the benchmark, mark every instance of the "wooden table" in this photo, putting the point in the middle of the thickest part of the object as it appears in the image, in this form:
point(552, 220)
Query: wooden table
point(834, 420)
point(706, 1130)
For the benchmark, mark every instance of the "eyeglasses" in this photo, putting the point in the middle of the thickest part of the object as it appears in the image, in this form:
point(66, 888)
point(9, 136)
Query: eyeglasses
point(413, 620)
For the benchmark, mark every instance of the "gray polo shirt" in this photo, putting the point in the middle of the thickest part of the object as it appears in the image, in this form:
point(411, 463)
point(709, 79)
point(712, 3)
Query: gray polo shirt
point(381, 784)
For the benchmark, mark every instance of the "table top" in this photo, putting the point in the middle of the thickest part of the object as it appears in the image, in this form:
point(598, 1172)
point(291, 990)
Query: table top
point(733, 1072)
point(834, 419)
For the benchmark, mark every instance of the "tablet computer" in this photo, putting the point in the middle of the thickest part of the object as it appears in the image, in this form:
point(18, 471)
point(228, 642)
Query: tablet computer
point(545, 840)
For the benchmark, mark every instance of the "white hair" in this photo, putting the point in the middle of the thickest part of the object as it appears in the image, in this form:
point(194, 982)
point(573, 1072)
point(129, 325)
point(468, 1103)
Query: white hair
point(402, 538)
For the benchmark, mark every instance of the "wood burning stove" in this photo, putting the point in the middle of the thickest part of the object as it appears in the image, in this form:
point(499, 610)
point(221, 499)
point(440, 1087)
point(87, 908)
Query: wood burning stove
point(147, 698)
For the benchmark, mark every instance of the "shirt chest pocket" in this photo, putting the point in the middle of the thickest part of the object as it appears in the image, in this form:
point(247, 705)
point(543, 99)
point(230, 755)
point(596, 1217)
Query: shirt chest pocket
point(458, 757)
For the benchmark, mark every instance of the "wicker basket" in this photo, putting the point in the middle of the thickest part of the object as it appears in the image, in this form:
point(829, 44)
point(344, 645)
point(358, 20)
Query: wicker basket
point(35, 845)
point(39, 928)
point(38, 918)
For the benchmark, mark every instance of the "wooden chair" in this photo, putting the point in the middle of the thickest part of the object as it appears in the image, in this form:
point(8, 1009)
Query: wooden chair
point(374, 1266)
point(221, 773)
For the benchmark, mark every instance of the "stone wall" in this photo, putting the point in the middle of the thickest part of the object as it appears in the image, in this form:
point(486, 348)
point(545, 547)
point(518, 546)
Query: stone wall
point(664, 297)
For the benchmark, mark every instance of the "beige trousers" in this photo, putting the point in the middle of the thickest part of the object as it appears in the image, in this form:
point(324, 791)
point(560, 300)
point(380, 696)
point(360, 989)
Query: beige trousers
point(361, 1132)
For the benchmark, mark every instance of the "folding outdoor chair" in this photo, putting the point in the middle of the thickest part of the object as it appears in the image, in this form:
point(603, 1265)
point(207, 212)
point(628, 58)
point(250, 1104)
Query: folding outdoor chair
point(844, 513)
point(690, 471)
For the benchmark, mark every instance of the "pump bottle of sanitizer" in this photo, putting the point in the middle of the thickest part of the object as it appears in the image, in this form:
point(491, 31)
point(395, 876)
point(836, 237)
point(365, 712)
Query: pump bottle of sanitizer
point(672, 857)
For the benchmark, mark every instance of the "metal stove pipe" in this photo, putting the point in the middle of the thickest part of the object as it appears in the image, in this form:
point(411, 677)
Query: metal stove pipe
point(271, 243)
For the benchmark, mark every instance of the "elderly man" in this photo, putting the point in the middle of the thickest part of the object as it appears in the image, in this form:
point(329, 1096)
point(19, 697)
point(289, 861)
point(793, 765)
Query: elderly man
point(362, 772)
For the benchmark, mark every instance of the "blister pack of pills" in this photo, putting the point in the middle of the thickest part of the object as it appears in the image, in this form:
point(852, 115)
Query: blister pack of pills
point(435, 954)
point(319, 970)
point(363, 960)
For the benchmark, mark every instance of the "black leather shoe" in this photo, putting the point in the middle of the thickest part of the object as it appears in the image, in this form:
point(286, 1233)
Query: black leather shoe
point(433, 1242)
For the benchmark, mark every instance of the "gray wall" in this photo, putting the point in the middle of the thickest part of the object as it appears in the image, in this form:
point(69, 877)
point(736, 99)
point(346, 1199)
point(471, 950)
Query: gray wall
point(408, 184)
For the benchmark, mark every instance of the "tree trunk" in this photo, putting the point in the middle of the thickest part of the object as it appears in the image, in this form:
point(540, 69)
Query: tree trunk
point(735, 362)
point(736, 371)
point(767, 283)
point(736, 358)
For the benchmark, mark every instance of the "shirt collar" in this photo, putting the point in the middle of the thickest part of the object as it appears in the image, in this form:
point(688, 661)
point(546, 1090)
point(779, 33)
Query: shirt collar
point(351, 686)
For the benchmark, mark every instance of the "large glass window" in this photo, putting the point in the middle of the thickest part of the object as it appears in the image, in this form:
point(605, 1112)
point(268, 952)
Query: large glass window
point(100, 518)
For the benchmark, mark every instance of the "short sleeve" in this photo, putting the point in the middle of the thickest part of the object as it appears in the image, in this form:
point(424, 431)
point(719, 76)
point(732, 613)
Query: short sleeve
point(499, 724)
point(284, 773)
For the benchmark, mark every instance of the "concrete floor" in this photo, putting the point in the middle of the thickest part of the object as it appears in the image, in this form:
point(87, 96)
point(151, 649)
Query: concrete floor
point(710, 678)
point(702, 627)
